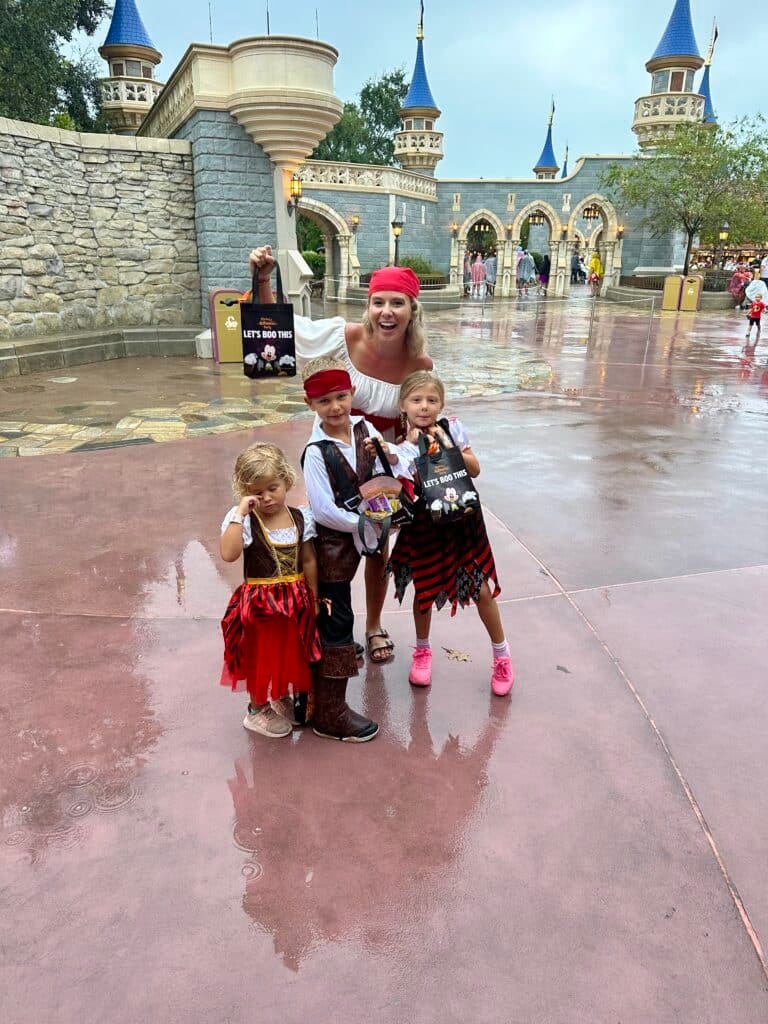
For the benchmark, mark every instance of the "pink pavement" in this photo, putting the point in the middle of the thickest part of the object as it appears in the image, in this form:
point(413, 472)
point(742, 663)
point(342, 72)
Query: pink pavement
point(574, 853)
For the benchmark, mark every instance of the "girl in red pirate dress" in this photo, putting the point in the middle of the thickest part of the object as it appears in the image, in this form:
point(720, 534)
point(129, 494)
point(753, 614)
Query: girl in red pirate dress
point(270, 636)
point(448, 562)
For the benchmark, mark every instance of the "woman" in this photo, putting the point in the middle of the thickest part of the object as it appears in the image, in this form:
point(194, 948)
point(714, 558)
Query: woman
point(379, 354)
point(595, 273)
point(738, 283)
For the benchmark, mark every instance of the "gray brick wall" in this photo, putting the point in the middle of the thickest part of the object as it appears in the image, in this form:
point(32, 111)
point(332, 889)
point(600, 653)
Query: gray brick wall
point(234, 200)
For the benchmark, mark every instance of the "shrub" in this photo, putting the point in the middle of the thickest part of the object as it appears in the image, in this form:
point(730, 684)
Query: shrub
point(316, 262)
point(418, 265)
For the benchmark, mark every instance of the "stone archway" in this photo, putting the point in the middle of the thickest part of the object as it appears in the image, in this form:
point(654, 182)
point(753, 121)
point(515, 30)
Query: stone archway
point(342, 267)
point(605, 234)
point(459, 246)
point(557, 246)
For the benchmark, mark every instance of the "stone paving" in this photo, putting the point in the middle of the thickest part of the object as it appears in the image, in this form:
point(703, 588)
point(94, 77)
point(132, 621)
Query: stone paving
point(591, 850)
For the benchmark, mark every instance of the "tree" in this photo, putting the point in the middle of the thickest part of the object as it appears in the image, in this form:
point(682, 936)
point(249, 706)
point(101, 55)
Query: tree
point(698, 178)
point(308, 234)
point(37, 81)
point(365, 133)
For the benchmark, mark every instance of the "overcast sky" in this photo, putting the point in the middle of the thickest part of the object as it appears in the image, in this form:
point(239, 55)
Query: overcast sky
point(493, 66)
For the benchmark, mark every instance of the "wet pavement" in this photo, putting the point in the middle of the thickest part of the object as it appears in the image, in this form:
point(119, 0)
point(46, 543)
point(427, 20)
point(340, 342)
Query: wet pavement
point(591, 850)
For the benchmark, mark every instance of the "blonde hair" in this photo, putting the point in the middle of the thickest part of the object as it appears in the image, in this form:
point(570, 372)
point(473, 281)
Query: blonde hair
point(420, 379)
point(319, 364)
point(415, 335)
point(261, 462)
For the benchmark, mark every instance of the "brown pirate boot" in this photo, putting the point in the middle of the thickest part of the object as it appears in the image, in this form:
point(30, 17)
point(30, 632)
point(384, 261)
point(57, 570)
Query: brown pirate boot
point(334, 719)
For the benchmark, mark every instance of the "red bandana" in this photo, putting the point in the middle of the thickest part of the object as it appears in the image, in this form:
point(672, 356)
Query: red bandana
point(326, 381)
point(395, 279)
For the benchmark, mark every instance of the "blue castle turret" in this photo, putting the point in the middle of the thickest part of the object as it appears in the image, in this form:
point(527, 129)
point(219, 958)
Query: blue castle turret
point(547, 166)
point(704, 89)
point(418, 145)
point(131, 88)
point(673, 99)
point(565, 164)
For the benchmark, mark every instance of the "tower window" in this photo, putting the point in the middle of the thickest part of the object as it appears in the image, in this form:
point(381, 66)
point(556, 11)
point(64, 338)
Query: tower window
point(689, 81)
point(134, 68)
point(660, 81)
point(409, 125)
point(428, 125)
point(418, 123)
point(677, 80)
point(146, 71)
point(118, 70)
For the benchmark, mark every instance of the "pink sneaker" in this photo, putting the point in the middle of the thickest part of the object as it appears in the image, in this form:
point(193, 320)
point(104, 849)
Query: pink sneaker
point(421, 667)
point(503, 677)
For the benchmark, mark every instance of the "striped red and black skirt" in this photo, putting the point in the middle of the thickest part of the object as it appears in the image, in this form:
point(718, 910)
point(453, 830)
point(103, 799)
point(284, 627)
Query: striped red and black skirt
point(448, 563)
point(270, 640)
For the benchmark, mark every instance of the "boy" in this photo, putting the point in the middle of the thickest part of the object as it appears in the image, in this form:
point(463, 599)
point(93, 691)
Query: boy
point(339, 452)
point(753, 318)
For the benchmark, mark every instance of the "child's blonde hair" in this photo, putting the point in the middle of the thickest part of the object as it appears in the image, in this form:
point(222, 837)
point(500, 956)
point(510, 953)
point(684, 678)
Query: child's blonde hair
point(420, 379)
point(261, 461)
point(319, 364)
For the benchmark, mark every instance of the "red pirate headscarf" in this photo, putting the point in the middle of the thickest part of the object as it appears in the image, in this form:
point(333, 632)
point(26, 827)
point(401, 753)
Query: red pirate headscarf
point(394, 279)
point(326, 381)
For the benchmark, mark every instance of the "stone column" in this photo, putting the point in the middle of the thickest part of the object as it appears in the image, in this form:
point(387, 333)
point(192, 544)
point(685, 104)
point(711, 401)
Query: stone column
point(501, 259)
point(461, 249)
point(556, 272)
point(343, 242)
point(456, 267)
point(508, 282)
point(329, 287)
point(609, 266)
point(296, 274)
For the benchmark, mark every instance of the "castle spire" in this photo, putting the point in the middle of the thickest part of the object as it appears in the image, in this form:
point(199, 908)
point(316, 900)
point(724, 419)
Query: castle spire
point(547, 166)
point(704, 89)
point(678, 40)
point(418, 146)
point(565, 164)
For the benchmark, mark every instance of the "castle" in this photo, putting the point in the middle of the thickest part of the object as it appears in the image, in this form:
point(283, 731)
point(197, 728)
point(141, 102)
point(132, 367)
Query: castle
point(151, 219)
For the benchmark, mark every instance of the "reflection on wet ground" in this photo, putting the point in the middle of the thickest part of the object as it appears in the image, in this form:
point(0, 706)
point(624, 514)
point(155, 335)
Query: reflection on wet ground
point(573, 854)
point(575, 349)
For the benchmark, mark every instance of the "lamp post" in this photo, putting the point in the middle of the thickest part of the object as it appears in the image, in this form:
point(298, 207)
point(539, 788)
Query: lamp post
point(397, 230)
point(295, 193)
point(725, 230)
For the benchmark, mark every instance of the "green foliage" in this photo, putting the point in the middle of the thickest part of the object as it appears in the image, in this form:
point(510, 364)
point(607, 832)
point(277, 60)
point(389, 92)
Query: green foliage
point(316, 262)
point(308, 234)
point(538, 260)
point(37, 82)
point(417, 264)
point(525, 233)
point(365, 133)
point(481, 241)
point(697, 179)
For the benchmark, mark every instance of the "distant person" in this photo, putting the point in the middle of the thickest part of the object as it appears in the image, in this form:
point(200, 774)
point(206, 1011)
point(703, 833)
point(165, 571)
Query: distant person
point(478, 278)
point(764, 269)
point(575, 268)
point(582, 271)
point(490, 273)
point(467, 272)
point(595, 274)
point(756, 289)
point(737, 284)
point(546, 265)
point(754, 317)
point(526, 273)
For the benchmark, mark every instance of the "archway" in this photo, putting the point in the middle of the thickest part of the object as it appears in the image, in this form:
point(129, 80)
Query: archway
point(539, 229)
point(342, 267)
point(482, 231)
point(595, 218)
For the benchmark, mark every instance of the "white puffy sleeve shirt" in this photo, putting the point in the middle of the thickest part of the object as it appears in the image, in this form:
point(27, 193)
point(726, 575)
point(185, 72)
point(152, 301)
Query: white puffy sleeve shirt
point(285, 536)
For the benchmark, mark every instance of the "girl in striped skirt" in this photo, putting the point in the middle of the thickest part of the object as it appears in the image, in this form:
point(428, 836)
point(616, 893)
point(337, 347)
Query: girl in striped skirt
point(448, 562)
point(270, 636)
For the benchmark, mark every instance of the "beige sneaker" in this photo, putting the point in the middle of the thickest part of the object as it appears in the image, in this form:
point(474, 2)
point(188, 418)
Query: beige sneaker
point(266, 721)
point(284, 707)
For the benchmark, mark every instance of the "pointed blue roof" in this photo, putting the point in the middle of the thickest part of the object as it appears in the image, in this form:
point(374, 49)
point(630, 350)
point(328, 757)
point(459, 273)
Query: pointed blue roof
point(547, 161)
point(565, 164)
point(678, 39)
point(709, 110)
point(419, 94)
point(127, 28)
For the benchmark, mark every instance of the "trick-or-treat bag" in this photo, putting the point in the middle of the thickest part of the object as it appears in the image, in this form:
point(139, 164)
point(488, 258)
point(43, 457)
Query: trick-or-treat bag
point(443, 480)
point(269, 342)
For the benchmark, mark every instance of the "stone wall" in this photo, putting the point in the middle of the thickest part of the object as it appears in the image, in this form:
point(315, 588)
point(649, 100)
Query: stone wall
point(96, 231)
point(234, 198)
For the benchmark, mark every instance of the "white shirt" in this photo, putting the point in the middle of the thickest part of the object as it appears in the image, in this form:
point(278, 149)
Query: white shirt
point(286, 535)
point(764, 267)
point(319, 490)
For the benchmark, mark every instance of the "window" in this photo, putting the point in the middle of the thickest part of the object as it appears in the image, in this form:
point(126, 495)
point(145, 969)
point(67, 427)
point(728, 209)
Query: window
point(659, 81)
point(677, 80)
point(418, 123)
point(118, 70)
point(456, 202)
point(134, 68)
point(409, 125)
point(146, 71)
point(429, 125)
point(689, 81)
